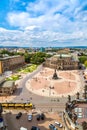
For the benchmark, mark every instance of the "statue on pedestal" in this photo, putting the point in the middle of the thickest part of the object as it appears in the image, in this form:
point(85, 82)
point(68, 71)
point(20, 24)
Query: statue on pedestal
point(55, 75)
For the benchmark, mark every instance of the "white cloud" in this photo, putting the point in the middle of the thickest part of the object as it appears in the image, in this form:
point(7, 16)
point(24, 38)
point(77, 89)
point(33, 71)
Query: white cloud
point(46, 12)
point(46, 21)
point(18, 19)
point(31, 27)
point(40, 38)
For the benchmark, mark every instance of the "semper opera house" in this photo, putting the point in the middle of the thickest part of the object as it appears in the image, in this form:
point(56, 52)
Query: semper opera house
point(62, 62)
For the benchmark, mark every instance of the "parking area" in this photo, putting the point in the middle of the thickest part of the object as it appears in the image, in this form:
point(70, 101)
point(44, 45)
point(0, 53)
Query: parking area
point(15, 124)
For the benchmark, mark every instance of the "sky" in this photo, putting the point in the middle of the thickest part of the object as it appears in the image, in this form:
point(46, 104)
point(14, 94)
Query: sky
point(43, 23)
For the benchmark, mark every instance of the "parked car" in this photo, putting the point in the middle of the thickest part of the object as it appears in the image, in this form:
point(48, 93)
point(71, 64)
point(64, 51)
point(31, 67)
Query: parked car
point(52, 127)
point(35, 128)
point(38, 117)
point(18, 115)
point(85, 81)
point(58, 124)
point(42, 116)
point(30, 116)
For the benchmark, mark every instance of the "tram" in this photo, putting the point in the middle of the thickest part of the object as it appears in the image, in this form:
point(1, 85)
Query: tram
point(16, 105)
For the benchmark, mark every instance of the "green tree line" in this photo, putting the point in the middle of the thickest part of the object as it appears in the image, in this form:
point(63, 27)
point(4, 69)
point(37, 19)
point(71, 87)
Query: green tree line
point(83, 60)
point(34, 58)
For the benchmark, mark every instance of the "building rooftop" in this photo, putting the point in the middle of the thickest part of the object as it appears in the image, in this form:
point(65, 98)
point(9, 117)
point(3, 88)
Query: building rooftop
point(81, 111)
point(73, 57)
point(63, 55)
point(7, 84)
point(9, 57)
point(2, 79)
point(76, 112)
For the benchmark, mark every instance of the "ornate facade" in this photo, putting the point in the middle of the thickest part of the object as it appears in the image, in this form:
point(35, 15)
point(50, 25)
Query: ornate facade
point(11, 62)
point(62, 62)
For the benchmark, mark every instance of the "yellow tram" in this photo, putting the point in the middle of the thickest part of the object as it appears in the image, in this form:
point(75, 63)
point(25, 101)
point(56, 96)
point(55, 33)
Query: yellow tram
point(16, 105)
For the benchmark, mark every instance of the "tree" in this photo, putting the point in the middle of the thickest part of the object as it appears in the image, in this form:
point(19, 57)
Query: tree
point(82, 59)
point(84, 125)
point(77, 95)
point(28, 57)
point(74, 117)
point(85, 63)
point(38, 58)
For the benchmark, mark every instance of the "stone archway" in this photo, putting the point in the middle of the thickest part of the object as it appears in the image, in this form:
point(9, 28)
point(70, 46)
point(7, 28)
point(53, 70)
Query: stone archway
point(59, 68)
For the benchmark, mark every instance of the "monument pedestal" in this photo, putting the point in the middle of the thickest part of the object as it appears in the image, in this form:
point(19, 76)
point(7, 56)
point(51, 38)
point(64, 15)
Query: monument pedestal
point(55, 75)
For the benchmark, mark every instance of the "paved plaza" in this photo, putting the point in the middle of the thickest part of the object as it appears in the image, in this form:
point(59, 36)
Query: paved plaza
point(40, 84)
point(68, 83)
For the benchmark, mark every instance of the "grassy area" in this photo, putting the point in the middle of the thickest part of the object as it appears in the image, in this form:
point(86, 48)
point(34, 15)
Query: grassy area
point(26, 70)
point(14, 77)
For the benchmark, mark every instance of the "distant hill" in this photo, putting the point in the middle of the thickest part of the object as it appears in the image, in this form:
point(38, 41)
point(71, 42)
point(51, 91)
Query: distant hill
point(83, 47)
point(79, 47)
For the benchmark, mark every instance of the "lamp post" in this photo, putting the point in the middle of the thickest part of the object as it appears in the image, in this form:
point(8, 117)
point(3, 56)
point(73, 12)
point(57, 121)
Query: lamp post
point(28, 101)
point(77, 95)
point(49, 90)
point(70, 79)
point(69, 98)
point(50, 87)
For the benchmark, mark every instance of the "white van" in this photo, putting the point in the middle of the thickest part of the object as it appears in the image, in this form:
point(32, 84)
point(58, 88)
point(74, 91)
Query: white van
point(30, 116)
point(22, 128)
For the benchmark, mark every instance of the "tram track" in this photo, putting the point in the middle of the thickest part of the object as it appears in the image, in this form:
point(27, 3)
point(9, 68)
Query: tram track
point(50, 107)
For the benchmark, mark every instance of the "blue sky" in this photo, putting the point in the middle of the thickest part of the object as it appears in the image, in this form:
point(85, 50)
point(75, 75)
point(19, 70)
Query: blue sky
point(43, 23)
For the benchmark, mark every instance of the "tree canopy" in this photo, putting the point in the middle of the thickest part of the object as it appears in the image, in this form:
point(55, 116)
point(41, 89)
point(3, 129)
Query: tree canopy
point(82, 59)
point(38, 58)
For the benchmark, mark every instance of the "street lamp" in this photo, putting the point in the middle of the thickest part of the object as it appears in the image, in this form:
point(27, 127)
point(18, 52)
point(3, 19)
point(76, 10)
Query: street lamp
point(69, 98)
point(50, 87)
point(28, 101)
point(70, 79)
